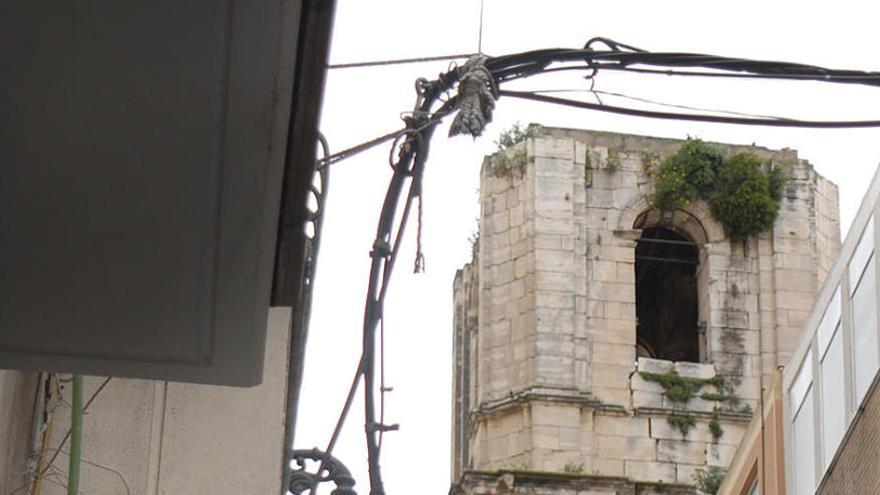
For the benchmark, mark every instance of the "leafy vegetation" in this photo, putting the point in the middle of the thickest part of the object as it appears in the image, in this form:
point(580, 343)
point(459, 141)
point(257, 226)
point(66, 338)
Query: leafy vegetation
point(721, 397)
point(679, 388)
point(747, 200)
point(687, 175)
point(743, 191)
point(614, 163)
point(709, 480)
point(506, 163)
point(517, 133)
point(715, 428)
point(573, 468)
point(684, 422)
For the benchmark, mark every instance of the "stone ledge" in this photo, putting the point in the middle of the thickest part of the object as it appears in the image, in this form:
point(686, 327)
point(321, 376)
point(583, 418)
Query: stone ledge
point(723, 415)
point(544, 394)
point(685, 369)
point(524, 481)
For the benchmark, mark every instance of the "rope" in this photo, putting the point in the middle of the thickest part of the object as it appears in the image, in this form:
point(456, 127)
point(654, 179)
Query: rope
point(476, 93)
point(419, 265)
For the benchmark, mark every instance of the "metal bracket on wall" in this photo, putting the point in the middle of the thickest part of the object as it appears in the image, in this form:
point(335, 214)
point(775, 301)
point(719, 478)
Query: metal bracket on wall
point(301, 480)
point(299, 322)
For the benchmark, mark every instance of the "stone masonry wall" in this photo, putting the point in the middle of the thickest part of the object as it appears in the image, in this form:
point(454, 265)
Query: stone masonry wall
point(546, 313)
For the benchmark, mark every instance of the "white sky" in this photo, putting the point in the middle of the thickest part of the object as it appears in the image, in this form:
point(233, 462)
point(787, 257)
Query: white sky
point(361, 104)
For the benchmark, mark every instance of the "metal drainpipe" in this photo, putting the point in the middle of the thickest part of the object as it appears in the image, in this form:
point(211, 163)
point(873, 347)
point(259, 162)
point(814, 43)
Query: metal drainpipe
point(76, 417)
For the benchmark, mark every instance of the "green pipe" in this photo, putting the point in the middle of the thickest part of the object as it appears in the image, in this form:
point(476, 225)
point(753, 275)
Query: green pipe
point(76, 417)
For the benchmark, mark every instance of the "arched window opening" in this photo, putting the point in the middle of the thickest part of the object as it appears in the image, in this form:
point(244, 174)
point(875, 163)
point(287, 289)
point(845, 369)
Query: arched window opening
point(666, 295)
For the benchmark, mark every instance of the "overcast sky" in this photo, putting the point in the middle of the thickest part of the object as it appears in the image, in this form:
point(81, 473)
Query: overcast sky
point(360, 104)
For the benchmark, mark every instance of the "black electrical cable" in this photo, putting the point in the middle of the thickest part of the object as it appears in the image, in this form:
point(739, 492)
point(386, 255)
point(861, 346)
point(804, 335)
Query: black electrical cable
point(596, 93)
point(528, 63)
point(789, 77)
point(830, 124)
point(346, 153)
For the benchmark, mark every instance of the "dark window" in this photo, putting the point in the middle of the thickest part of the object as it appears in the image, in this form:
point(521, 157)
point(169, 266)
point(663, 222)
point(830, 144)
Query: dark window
point(666, 296)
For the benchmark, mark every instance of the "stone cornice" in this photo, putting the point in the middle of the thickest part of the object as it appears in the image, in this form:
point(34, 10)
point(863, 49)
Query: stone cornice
point(543, 394)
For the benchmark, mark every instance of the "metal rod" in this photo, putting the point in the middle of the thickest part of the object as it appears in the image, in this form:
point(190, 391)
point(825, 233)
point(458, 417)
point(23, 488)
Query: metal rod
point(667, 241)
point(666, 260)
point(414, 60)
point(76, 417)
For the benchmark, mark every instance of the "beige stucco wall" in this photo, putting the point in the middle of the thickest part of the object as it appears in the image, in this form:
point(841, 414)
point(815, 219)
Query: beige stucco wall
point(760, 456)
point(165, 438)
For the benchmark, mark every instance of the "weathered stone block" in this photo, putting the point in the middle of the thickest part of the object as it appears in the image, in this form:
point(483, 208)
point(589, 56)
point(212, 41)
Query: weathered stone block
point(623, 426)
point(639, 384)
point(662, 429)
point(497, 449)
point(719, 454)
point(554, 320)
point(619, 310)
point(555, 371)
point(642, 398)
point(620, 447)
point(551, 147)
point(663, 472)
point(554, 167)
point(549, 241)
point(686, 451)
point(557, 300)
point(557, 415)
point(548, 224)
point(553, 261)
point(685, 472)
point(656, 366)
point(614, 291)
point(545, 437)
point(610, 395)
point(608, 467)
point(700, 371)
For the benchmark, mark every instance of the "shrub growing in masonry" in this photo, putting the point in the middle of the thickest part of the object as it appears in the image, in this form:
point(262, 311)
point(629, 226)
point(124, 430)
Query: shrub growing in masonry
point(517, 133)
point(746, 201)
point(687, 175)
point(505, 164)
point(709, 480)
point(743, 191)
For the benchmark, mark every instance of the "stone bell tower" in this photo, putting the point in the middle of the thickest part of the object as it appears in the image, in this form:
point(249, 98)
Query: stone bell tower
point(601, 345)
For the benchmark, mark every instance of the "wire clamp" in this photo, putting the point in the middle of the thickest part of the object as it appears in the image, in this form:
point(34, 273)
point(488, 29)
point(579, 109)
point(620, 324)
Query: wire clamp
point(381, 248)
point(382, 428)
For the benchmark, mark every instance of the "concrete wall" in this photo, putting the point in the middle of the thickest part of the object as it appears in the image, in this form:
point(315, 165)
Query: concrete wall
point(17, 392)
point(554, 381)
point(162, 438)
